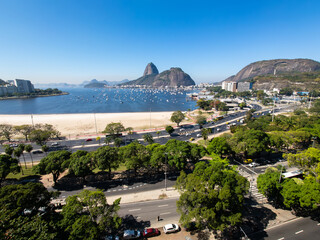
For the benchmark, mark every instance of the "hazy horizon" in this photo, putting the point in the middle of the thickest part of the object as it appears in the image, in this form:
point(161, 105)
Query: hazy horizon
point(58, 41)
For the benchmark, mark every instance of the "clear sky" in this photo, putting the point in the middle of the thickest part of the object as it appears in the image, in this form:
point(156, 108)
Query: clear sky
point(72, 41)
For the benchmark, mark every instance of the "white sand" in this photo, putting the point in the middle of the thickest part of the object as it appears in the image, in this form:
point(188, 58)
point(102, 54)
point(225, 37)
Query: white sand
point(84, 123)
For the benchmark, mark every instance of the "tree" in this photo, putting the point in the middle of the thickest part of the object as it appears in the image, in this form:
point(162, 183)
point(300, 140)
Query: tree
point(6, 131)
point(40, 136)
point(87, 215)
point(8, 150)
point(45, 148)
point(291, 194)
point(108, 140)
point(117, 142)
point(158, 133)
point(134, 155)
point(169, 129)
point(28, 149)
point(8, 165)
point(220, 146)
point(148, 138)
point(308, 160)
point(268, 184)
point(106, 158)
point(205, 134)
point(80, 164)
point(260, 95)
point(201, 120)
point(242, 105)
point(212, 196)
point(249, 142)
point(177, 117)
point(21, 147)
point(25, 130)
point(15, 224)
point(54, 163)
point(17, 153)
point(114, 129)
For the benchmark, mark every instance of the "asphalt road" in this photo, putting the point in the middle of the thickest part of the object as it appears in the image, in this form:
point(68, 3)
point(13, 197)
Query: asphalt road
point(301, 228)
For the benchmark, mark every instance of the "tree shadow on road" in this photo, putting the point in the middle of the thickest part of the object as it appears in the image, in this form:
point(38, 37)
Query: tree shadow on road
point(130, 222)
point(256, 219)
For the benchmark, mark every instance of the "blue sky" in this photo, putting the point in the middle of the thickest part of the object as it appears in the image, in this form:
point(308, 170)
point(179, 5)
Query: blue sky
point(69, 41)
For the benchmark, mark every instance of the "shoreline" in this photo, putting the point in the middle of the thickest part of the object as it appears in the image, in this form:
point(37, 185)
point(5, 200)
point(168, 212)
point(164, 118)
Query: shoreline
point(78, 124)
point(34, 96)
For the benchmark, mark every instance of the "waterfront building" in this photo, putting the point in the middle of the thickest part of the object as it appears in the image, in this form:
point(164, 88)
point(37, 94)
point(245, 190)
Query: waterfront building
point(16, 86)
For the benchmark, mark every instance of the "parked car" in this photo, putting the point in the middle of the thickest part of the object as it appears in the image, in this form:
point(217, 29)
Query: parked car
point(171, 228)
point(150, 232)
point(199, 135)
point(54, 144)
point(188, 134)
point(13, 145)
point(191, 139)
point(89, 140)
point(131, 234)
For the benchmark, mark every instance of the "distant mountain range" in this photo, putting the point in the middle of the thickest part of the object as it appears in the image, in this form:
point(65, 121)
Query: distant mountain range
point(174, 77)
point(87, 84)
point(298, 74)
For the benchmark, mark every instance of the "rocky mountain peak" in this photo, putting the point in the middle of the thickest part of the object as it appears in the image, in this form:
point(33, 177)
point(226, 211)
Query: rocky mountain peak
point(150, 69)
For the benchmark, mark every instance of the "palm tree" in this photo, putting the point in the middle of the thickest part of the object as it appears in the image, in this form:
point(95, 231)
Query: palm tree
point(158, 133)
point(148, 138)
point(45, 149)
point(22, 146)
point(17, 153)
point(28, 149)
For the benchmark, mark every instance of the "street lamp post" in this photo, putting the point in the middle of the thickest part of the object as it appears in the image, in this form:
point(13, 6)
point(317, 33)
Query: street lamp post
point(165, 172)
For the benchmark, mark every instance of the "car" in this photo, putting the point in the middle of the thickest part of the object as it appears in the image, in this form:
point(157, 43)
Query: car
point(191, 139)
point(218, 129)
point(181, 129)
point(88, 139)
point(254, 164)
point(171, 228)
point(54, 144)
point(131, 234)
point(13, 145)
point(282, 160)
point(150, 232)
point(37, 152)
point(188, 134)
point(198, 135)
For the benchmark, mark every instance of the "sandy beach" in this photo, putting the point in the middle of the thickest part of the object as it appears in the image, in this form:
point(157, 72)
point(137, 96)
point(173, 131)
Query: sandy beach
point(85, 123)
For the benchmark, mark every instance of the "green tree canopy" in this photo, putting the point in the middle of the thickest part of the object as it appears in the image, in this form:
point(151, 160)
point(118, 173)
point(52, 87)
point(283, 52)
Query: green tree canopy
point(7, 131)
point(212, 196)
point(134, 155)
point(88, 215)
point(8, 165)
point(54, 162)
point(106, 158)
point(148, 138)
point(114, 129)
point(177, 117)
point(220, 146)
point(169, 129)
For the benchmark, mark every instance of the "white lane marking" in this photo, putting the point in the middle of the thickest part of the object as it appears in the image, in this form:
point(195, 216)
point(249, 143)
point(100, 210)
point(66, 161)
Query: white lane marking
point(166, 205)
point(166, 213)
point(299, 232)
point(281, 238)
point(133, 210)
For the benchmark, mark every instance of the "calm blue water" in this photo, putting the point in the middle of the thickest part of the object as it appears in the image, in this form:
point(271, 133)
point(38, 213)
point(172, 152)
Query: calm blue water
point(84, 100)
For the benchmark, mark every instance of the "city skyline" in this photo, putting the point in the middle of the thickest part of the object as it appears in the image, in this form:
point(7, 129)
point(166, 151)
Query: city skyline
point(75, 41)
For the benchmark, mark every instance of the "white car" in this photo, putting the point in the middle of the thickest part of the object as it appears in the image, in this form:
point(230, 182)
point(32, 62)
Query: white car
point(198, 135)
point(254, 164)
point(171, 228)
point(54, 144)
